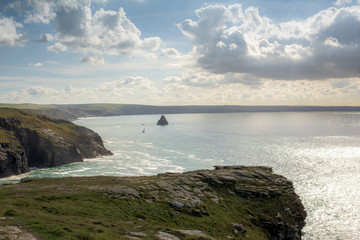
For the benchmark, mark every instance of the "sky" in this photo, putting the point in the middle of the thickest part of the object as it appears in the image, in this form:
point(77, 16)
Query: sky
point(180, 52)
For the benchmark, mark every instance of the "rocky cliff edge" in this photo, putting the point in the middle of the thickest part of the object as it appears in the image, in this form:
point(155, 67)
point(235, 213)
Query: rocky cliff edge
point(231, 202)
point(30, 140)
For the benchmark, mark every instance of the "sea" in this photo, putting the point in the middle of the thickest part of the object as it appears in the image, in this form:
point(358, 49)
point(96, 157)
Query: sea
point(318, 151)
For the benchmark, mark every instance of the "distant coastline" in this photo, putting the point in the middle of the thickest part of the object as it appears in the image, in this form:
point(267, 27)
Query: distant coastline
point(75, 111)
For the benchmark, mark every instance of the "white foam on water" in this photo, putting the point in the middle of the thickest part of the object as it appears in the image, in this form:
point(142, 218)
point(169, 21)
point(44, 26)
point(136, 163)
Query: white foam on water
point(79, 170)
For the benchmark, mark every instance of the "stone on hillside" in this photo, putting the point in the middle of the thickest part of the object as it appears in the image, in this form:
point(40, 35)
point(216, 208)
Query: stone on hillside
point(166, 236)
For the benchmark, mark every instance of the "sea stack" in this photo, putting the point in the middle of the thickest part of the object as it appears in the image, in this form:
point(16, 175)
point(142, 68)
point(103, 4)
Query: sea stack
point(162, 121)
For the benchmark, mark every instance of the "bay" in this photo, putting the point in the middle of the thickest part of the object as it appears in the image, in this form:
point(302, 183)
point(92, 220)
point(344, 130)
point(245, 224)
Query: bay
point(318, 151)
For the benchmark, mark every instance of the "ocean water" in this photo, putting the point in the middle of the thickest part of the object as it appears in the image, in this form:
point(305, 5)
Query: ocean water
point(318, 151)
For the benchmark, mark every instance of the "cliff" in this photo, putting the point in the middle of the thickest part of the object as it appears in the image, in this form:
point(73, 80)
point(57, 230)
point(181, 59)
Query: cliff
point(12, 155)
point(30, 140)
point(234, 202)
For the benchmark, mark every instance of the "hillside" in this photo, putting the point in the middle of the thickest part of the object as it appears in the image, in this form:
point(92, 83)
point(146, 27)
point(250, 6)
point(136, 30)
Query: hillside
point(74, 111)
point(30, 140)
point(235, 202)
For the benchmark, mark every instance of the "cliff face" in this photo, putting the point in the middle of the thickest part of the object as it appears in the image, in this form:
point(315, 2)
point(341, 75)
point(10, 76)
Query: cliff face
point(12, 161)
point(232, 202)
point(45, 142)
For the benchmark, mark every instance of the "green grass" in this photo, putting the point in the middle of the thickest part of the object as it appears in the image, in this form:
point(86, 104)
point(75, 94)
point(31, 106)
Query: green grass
point(98, 106)
point(8, 137)
point(24, 106)
point(62, 128)
point(67, 209)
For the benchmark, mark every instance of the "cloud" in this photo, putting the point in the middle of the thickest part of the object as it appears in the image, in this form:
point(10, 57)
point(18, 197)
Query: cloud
point(8, 34)
point(170, 52)
point(128, 89)
point(45, 38)
point(342, 2)
point(201, 79)
point(127, 83)
point(39, 64)
point(39, 91)
point(333, 42)
point(42, 11)
point(57, 47)
point(229, 39)
point(118, 90)
point(79, 29)
point(92, 60)
point(186, 90)
point(276, 92)
point(69, 89)
point(111, 32)
point(197, 79)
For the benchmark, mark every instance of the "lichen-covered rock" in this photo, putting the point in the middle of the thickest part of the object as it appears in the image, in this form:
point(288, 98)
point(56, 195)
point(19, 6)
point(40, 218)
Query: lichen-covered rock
point(189, 193)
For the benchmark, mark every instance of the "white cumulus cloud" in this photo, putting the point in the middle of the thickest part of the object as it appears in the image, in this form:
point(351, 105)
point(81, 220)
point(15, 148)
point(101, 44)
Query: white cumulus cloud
point(92, 60)
point(128, 86)
point(79, 29)
point(331, 41)
point(8, 34)
point(57, 47)
point(39, 91)
point(42, 12)
point(44, 38)
point(230, 39)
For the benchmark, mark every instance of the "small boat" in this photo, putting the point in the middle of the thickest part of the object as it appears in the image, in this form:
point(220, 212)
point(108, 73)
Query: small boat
point(143, 130)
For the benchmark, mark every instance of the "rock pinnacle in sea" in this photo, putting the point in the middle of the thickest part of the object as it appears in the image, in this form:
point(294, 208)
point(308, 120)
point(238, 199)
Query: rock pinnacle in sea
point(162, 121)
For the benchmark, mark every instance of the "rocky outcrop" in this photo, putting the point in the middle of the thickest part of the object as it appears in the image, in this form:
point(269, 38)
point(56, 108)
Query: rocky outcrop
point(232, 202)
point(13, 160)
point(44, 142)
point(275, 207)
point(162, 121)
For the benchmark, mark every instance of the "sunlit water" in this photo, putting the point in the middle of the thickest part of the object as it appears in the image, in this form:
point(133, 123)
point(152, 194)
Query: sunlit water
point(319, 152)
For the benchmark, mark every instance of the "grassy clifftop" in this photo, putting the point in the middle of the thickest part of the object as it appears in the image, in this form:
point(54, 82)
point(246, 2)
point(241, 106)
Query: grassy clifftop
point(8, 137)
point(31, 140)
point(229, 203)
point(36, 122)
